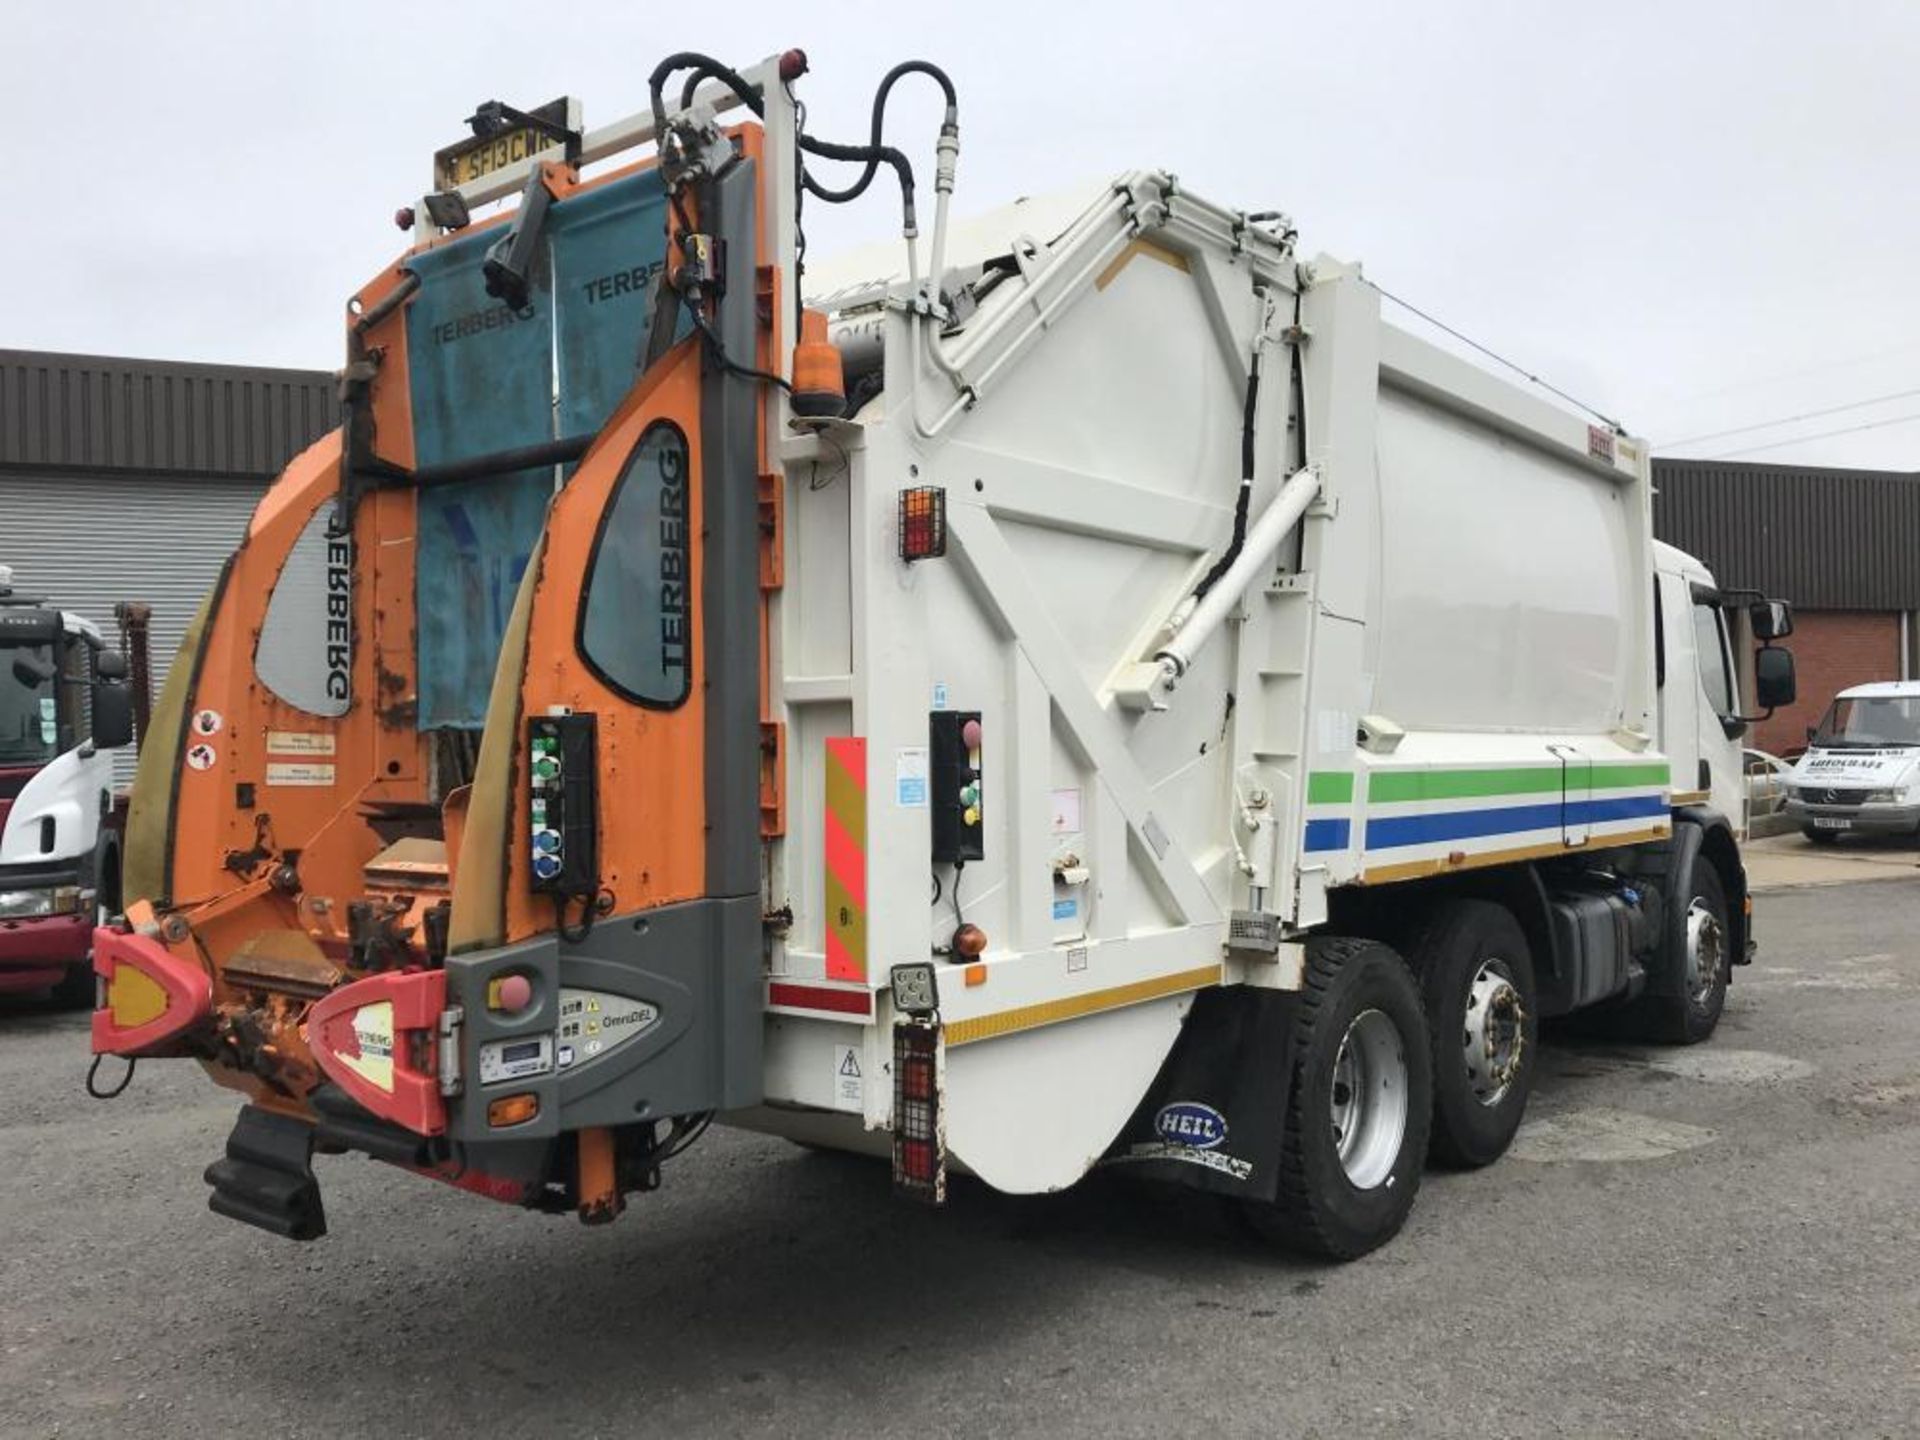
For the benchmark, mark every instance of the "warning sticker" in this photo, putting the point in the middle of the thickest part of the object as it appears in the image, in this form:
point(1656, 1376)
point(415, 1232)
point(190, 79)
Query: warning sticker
point(207, 722)
point(299, 773)
point(202, 756)
point(910, 778)
point(299, 742)
point(849, 1086)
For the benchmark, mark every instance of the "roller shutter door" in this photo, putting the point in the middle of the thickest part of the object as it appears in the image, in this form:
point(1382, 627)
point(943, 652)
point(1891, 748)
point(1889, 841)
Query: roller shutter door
point(88, 541)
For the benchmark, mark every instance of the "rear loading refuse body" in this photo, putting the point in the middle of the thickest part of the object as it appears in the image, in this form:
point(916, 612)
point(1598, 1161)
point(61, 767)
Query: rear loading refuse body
point(1101, 697)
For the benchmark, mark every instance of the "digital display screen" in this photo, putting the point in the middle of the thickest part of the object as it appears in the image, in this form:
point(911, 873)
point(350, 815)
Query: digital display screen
point(524, 1050)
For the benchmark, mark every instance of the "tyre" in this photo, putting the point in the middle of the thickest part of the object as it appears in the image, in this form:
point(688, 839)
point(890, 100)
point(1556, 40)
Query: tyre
point(1359, 1104)
point(1821, 837)
point(74, 991)
point(1705, 939)
point(1476, 978)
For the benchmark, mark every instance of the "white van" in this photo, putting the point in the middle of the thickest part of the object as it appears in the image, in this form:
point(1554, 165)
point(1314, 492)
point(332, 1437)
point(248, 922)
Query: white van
point(1861, 772)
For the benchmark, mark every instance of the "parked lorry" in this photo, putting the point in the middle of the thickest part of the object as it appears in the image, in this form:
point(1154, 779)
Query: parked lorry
point(64, 704)
point(1860, 773)
point(1105, 698)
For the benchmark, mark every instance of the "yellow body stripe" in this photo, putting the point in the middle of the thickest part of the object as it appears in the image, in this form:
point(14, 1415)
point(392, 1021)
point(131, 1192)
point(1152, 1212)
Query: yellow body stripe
point(1048, 1012)
point(1441, 865)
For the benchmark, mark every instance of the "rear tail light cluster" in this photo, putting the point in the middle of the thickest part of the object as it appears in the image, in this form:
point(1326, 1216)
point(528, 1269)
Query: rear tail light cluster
point(919, 1138)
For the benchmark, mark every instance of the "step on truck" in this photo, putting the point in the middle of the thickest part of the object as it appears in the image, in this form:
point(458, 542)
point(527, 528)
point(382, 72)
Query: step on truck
point(65, 704)
point(1088, 693)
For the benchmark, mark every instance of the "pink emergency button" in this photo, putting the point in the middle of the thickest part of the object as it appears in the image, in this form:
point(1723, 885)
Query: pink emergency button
point(970, 734)
point(510, 994)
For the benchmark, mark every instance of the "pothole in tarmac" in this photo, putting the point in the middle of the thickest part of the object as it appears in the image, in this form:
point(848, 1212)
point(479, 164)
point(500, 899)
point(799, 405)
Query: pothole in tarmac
point(1604, 1135)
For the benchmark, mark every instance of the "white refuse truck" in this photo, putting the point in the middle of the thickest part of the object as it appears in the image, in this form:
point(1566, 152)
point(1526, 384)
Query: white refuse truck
point(1106, 698)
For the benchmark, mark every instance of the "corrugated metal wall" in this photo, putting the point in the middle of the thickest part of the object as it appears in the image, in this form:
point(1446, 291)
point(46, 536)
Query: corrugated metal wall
point(134, 480)
point(1824, 539)
point(78, 411)
point(161, 541)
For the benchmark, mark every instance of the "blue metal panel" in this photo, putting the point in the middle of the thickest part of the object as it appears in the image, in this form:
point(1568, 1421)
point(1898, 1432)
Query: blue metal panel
point(608, 246)
point(482, 381)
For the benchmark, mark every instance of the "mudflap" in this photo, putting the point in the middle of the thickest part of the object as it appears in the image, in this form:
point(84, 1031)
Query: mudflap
point(267, 1177)
point(1212, 1119)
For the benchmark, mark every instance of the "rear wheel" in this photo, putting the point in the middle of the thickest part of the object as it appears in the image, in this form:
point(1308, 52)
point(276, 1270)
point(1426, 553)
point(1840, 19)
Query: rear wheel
point(1476, 974)
point(1359, 1105)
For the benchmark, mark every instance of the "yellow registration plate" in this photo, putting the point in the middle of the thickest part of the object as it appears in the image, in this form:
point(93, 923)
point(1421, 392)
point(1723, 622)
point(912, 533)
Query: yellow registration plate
point(469, 160)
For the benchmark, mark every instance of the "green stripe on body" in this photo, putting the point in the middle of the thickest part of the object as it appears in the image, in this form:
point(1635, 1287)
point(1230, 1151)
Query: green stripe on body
point(1390, 786)
point(1330, 787)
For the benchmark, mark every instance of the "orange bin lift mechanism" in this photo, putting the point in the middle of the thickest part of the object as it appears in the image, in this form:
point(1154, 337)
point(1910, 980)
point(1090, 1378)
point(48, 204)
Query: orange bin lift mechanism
point(650, 854)
point(376, 1040)
point(846, 857)
point(153, 999)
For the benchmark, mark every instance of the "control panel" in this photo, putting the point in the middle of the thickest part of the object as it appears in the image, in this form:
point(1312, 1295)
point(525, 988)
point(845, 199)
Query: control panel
point(592, 1022)
point(502, 1060)
point(954, 763)
point(561, 818)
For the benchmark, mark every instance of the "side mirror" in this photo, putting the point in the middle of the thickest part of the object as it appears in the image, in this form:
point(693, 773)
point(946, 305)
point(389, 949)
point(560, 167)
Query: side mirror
point(1771, 619)
point(1773, 682)
point(110, 665)
point(112, 714)
point(31, 671)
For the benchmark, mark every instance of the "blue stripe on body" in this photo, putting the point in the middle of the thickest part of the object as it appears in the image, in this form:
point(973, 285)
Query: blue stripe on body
point(1329, 834)
point(1387, 832)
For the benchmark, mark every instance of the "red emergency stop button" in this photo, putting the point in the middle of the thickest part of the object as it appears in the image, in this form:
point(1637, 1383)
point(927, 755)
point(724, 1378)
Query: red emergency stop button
point(509, 994)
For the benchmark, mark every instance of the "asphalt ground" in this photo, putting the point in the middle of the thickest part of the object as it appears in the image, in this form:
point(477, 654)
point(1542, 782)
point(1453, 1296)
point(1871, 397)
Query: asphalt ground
point(1719, 1240)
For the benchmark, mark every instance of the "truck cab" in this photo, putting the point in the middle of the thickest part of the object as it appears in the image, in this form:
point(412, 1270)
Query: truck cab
point(63, 705)
point(1705, 675)
point(1861, 771)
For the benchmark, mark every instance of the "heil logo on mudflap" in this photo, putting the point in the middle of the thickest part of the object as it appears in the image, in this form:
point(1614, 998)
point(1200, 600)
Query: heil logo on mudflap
point(1189, 1123)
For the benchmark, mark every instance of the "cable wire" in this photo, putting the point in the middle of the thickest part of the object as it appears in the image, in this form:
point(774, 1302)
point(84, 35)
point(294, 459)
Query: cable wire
point(1791, 419)
point(1497, 357)
point(1820, 435)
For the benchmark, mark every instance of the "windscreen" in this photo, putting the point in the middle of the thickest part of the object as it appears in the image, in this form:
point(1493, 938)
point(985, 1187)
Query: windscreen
point(1871, 721)
point(29, 716)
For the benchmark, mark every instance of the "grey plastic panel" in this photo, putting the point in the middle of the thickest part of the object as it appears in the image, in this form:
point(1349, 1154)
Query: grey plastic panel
point(697, 962)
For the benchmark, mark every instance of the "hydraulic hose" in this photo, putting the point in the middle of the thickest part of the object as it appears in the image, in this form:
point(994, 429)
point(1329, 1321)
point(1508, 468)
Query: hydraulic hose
point(702, 66)
point(1245, 497)
point(878, 127)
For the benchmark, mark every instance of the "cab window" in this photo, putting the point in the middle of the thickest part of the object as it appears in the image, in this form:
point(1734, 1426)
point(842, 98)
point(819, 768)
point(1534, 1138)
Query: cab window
point(1710, 645)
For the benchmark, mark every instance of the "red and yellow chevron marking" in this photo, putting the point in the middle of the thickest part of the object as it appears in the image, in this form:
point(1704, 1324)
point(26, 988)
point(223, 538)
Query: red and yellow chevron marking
point(846, 822)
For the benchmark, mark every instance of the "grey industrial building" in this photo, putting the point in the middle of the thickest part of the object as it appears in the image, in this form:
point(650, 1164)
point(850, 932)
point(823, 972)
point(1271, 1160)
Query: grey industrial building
point(134, 479)
point(1842, 545)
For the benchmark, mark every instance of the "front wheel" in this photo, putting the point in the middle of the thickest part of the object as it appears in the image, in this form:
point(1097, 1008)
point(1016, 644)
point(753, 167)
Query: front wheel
point(1692, 1012)
point(1821, 837)
point(1359, 1105)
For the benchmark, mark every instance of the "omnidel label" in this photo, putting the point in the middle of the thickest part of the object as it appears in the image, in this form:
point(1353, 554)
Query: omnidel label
point(1188, 1122)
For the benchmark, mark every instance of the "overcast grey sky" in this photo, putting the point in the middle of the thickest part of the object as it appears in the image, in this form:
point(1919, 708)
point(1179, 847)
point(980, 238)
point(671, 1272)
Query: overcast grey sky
point(1698, 216)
